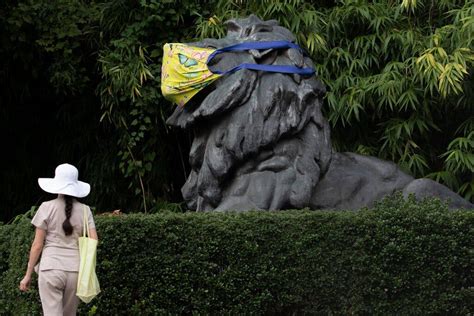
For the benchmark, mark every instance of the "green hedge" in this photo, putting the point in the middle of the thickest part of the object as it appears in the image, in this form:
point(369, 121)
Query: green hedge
point(399, 258)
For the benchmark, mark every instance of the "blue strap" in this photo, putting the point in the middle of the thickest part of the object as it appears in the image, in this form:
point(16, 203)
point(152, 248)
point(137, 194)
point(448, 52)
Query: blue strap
point(270, 68)
point(260, 46)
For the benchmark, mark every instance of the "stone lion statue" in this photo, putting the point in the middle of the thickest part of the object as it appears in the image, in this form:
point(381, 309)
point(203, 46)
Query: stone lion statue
point(261, 141)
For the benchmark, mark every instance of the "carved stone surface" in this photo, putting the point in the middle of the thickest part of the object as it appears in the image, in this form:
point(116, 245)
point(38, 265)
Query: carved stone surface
point(261, 141)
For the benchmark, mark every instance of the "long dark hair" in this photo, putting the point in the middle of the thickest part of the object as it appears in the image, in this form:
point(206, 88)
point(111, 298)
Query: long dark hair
point(67, 227)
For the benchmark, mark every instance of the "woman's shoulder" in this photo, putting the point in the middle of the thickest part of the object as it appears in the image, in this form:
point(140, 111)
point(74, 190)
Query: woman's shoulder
point(44, 211)
point(50, 203)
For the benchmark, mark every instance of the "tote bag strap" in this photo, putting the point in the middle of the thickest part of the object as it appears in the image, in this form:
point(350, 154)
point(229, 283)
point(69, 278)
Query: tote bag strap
point(85, 224)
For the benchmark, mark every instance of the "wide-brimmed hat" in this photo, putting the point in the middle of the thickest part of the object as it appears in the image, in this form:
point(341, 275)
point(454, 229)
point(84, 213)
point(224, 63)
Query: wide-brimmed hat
point(66, 182)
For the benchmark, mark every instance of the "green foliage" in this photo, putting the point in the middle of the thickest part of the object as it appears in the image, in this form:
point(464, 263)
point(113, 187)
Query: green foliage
point(130, 94)
point(399, 76)
point(63, 29)
point(15, 242)
point(399, 258)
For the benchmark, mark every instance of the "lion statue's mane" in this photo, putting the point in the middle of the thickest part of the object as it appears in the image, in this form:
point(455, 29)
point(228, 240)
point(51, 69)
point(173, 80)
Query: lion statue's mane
point(261, 141)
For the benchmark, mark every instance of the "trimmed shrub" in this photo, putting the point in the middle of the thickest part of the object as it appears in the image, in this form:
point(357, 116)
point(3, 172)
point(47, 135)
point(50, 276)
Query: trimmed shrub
point(399, 258)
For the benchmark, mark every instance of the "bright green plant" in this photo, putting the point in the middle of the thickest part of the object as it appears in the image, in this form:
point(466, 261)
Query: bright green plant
point(399, 258)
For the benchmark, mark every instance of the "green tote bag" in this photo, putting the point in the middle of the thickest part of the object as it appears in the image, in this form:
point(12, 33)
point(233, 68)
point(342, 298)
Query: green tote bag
point(87, 282)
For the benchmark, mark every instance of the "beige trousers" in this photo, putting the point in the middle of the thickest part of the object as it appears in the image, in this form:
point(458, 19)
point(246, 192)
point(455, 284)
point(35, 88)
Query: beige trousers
point(57, 291)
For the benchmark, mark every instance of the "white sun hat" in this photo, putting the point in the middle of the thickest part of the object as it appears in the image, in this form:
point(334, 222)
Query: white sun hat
point(65, 182)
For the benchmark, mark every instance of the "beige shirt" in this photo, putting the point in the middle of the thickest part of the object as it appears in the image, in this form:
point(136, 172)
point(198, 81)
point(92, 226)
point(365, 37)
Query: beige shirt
point(60, 252)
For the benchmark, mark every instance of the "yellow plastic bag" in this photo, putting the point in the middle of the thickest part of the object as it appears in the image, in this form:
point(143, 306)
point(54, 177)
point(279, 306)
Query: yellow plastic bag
point(87, 282)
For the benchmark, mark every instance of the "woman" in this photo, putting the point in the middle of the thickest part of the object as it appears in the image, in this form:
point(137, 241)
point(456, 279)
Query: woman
point(58, 225)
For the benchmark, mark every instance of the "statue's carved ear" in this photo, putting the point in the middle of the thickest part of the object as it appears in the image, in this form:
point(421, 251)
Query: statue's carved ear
point(232, 27)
